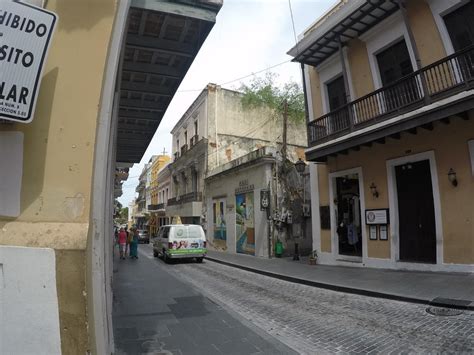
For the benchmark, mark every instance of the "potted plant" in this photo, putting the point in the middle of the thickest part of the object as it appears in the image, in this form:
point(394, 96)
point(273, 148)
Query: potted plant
point(313, 257)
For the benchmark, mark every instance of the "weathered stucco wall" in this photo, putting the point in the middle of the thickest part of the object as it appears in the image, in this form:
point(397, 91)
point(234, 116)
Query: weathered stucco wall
point(223, 187)
point(58, 157)
point(449, 143)
point(228, 121)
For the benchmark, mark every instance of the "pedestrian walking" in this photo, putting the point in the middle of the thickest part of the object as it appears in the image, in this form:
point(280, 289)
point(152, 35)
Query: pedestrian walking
point(134, 245)
point(122, 240)
point(129, 239)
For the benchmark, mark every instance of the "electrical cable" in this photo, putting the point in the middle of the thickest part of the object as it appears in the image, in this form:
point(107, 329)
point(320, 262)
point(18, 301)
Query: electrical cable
point(243, 77)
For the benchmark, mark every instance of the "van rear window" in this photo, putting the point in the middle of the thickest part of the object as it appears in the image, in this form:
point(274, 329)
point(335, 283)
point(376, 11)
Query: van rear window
point(188, 232)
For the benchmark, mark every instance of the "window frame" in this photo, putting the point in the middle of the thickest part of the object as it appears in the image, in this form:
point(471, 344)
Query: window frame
point(380, 37)
point(439, 9)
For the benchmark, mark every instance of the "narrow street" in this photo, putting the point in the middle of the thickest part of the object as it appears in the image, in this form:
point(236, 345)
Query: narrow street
point(155, 312)
point(185, 306)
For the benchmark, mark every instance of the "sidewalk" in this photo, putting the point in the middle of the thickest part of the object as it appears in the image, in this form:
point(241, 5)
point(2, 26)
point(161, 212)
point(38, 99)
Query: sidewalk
point(453, 290)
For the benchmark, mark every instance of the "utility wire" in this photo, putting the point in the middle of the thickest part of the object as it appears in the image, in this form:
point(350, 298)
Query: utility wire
point(243, 77)
point(294, 31)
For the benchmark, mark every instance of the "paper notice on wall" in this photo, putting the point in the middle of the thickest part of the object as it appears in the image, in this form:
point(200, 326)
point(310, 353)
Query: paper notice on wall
point(11, 170)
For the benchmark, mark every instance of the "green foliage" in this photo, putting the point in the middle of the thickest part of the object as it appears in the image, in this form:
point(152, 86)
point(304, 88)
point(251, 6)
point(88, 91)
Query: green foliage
point(263, 92)
point(122, 215)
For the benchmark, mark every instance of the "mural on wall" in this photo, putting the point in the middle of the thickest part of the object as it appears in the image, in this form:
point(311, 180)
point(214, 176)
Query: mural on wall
point(244, 223)
point(220, 228)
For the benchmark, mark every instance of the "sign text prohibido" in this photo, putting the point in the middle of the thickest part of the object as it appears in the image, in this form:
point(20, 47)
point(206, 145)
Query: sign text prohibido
point(25, 36)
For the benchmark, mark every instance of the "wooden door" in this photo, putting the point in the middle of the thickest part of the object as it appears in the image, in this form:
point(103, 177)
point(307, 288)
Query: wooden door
point(416, 218)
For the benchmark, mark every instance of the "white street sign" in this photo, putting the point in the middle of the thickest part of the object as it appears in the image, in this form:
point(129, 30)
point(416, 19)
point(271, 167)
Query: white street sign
point(25, 36)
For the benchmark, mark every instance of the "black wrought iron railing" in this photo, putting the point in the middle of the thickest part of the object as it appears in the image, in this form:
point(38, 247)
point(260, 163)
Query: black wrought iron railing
point(434, 82)
point(189, 197)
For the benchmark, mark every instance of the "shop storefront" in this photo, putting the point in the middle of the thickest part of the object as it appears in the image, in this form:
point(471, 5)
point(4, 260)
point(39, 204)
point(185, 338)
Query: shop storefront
point(236, 223)
point(406, 204)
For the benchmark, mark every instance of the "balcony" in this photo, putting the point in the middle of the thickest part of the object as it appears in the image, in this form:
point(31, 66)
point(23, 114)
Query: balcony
point(189, 197)
point(156, 207)
point(440, 80)
point(194, 140)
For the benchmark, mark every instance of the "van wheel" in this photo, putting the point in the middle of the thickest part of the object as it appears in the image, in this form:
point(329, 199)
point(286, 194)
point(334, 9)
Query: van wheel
point(165, 258)
point(199, 260)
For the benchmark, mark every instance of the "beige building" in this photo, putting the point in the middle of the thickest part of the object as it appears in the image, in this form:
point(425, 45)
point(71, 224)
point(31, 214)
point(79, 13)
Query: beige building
point(215, 130)
point(112, 69)
point(391, 121)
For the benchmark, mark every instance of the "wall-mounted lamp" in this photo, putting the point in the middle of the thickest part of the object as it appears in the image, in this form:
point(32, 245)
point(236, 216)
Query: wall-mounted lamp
point(452, 177)
point(374, 191)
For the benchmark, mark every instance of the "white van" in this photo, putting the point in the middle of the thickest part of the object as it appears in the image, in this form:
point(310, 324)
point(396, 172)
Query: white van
point(179, 241)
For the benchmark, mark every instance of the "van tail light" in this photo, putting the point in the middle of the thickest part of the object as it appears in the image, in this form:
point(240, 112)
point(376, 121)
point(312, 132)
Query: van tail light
point(205, 244)
point(170, 245)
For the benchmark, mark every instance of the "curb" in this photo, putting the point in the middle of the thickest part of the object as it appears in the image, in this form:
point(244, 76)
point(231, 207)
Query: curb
point(455, 304)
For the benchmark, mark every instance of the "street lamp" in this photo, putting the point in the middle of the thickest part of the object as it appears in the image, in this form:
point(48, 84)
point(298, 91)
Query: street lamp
point(300, 167)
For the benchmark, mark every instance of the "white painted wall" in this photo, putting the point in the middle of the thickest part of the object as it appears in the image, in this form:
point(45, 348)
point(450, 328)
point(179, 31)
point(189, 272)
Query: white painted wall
point(29, 314)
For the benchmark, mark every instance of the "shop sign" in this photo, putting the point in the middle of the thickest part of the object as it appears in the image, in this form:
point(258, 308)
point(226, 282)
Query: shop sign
point(264, 199)
point(25, 36)
point(378, 216)
point(244, 186)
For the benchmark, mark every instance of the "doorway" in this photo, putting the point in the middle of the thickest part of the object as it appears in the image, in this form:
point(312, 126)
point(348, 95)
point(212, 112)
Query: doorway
point(416, 212)
point(347, 212)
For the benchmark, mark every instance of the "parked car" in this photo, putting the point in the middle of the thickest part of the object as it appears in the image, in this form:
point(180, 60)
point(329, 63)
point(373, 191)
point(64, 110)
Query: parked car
point(143, 236)
point(180, 241)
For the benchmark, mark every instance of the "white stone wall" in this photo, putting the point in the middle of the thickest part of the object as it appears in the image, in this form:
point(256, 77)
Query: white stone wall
point(29, 314)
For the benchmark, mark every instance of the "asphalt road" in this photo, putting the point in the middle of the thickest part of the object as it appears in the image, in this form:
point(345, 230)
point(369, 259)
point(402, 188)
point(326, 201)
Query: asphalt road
point(155, 312)
point(306, 319)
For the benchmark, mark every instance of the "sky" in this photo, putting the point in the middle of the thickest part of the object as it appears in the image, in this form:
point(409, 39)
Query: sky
point(249, 37)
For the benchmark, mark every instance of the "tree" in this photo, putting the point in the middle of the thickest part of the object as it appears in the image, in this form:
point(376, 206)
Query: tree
point(122, 215)
point(263, 92)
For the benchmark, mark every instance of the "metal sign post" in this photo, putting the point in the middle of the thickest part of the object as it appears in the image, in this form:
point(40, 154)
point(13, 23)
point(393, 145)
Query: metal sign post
point(25, 36)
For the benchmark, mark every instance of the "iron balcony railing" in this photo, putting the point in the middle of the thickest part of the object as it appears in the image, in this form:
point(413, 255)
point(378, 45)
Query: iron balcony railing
point(434, 82)
point(189, 197)
point(156, 207)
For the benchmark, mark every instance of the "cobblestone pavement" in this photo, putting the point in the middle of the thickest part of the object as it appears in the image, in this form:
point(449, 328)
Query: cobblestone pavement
point(156, 313)
point(317, 321)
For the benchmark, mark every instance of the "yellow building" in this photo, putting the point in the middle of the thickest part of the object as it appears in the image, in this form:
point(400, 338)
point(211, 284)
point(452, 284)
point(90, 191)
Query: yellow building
point(112, 69)
point(390, 96)
point(158, 163)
